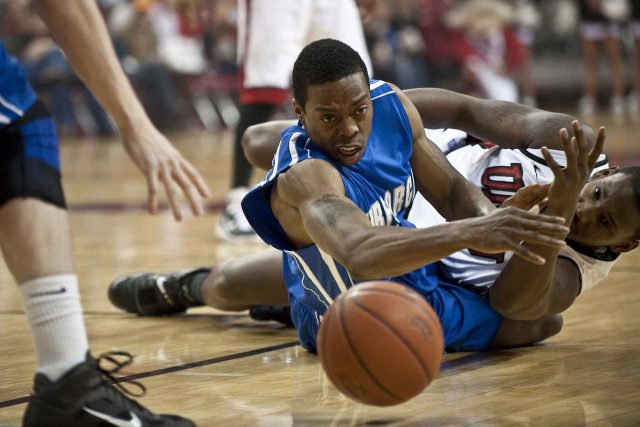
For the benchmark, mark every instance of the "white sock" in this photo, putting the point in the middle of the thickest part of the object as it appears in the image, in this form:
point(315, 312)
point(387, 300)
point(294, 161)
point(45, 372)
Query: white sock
point(54, 311)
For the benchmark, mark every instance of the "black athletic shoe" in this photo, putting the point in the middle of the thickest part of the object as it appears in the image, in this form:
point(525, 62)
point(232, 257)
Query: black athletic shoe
point(149, 294)
point(265, 313)
point(87, 396)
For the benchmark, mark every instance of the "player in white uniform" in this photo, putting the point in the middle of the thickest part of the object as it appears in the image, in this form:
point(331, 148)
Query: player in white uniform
point(271, 34)
point(597, 225)
point(500, 173)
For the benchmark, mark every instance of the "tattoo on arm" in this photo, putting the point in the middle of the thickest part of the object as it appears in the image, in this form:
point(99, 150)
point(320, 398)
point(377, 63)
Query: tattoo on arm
point(332, 208)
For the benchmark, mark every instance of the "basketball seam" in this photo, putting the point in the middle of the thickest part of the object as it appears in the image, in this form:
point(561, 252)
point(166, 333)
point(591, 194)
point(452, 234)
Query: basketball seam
point(362, 364)
point(435, 322)
point(424, 368)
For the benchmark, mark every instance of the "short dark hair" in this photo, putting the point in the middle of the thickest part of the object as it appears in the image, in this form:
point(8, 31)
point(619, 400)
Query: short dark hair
point(324, 61)
point(634, 174)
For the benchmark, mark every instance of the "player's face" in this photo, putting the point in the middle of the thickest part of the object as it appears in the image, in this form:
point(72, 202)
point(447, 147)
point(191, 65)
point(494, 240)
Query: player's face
point(606, 214)
point(337, 117)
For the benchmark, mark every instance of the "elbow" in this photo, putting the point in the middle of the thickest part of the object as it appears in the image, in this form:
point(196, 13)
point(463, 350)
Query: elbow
point(252, 148)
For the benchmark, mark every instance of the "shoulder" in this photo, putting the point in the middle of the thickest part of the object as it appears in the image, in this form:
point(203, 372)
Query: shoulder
point(309, 179)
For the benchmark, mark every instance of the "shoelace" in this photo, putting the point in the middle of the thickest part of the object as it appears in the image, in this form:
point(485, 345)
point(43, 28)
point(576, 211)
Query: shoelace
point(125, 360)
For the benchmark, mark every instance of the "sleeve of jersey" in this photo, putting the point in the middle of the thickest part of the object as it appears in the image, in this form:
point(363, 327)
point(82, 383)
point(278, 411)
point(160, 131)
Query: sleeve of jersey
point(256, 204)
point(388, 112)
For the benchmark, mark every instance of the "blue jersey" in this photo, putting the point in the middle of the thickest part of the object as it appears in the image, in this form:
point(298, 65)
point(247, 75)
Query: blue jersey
point(381, 184)
point(16, 95)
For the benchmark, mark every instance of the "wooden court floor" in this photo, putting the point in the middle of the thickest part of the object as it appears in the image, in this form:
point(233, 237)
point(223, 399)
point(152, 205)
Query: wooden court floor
point(222, 369)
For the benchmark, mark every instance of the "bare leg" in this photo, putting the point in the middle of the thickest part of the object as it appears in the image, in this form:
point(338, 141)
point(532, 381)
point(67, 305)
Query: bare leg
point(518, 333)
point(590, 54)
point(254, 279)
point(614, 54)
point(37, 241)
point(528, 82)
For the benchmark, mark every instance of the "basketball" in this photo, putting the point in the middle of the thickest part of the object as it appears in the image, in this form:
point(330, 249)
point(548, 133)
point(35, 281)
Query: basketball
point(380, 343)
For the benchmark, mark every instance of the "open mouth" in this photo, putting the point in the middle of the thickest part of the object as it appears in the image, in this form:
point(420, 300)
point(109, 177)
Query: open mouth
point(348, 150)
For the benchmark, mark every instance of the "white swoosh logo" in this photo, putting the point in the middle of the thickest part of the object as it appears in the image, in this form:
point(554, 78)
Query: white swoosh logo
point(118, 422)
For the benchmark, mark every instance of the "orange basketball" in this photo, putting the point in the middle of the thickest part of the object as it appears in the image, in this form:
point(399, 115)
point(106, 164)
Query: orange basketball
point(380, 343)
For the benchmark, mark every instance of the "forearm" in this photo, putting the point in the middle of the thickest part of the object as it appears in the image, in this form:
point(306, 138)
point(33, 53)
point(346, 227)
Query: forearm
point(506, 124)
point(81, 33)
point(467, 201)
point(524, 291)
point(393, 251)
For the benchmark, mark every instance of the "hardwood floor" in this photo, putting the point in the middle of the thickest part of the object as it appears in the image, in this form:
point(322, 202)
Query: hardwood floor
point(224, 369)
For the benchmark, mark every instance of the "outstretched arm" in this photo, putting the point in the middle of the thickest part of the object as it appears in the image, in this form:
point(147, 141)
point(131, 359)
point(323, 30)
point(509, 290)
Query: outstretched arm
point(506, 124)
point(310, 203)
point(81, 33)
point(438, 181)
point(524, 291)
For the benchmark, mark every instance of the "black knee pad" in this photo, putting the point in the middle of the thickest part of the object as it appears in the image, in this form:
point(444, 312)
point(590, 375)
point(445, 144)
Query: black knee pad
point(30, 159)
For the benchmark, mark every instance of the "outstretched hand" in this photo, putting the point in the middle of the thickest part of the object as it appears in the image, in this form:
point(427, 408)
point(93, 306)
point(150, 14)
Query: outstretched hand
point(160, 162)
point(568, 181)
point(504, 229)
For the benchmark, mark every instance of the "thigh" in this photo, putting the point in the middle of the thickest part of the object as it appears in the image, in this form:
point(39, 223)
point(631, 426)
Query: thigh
point(34, 230)
point(340, 20)
point(469, 323)
point(272, 36)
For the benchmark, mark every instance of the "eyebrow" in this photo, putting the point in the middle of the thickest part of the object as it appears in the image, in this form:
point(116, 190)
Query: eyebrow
point(324, 108)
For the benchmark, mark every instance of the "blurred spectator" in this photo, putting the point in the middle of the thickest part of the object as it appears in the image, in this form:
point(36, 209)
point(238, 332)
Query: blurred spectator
point(396, 44)
point(488, 49)
point(73, 107)
point(633, 102)
point(600, 25)
point(526, 20)
point(131, 24)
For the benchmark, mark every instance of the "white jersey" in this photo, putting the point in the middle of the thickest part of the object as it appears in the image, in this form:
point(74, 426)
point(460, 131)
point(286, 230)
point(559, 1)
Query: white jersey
point(499, 173)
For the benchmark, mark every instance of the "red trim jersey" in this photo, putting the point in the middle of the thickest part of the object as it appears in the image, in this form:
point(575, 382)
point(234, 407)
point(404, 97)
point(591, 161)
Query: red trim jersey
point(499, 173)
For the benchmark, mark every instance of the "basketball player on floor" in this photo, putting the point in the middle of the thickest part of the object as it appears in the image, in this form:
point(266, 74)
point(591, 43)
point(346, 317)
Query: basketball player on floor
point(271, 33)
point(70, 389)
point(596, 240)
point(335, 201)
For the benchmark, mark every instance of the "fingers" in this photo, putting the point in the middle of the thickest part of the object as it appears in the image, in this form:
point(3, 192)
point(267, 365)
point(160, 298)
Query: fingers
point(537, 238)
point(555, 167)
point(196, 179)
point(597, 148)
point(152, 192)
point(188, 190)
point(169, 188)
point(582, 145)
point(569, 146)
point(528, 255)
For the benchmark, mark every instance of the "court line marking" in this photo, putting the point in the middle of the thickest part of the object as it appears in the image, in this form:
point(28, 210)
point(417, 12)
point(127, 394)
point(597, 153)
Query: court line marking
point(171, 369)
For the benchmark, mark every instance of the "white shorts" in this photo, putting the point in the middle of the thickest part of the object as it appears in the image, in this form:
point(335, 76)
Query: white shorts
point(271, 34)
point(598, 31)
point(635, 29)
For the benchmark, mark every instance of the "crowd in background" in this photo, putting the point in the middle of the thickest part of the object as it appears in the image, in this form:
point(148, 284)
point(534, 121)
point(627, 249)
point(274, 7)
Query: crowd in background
point(181, 55)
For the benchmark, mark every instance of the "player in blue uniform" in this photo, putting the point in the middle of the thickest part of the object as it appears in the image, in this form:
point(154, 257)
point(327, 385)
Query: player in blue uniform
point(341, 182)
point(69, 387)
point(256, 279)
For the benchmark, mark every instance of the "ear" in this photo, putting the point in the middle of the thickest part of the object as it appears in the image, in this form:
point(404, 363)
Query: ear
point(605, 172)
point(625, 247)
point(298, 109)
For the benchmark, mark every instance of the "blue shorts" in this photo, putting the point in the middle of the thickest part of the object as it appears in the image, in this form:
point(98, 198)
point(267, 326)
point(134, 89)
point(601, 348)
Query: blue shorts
point(29, 158)
point(469, 323)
